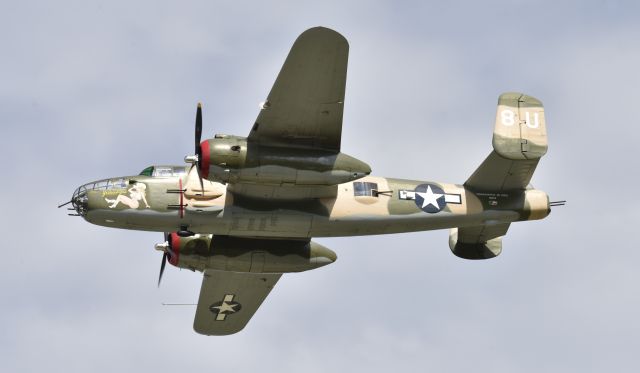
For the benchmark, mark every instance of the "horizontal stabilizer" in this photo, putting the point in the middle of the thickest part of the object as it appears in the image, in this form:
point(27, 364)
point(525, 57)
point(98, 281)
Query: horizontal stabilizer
point(498, 174)
point(478, 242)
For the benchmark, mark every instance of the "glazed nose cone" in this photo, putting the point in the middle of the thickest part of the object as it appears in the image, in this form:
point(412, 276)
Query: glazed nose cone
point(80, 200)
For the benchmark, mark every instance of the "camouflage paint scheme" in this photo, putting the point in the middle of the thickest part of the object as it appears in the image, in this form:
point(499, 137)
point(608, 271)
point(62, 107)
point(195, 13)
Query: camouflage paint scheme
point(288, 210)
point(341, 215)
point(264, 196)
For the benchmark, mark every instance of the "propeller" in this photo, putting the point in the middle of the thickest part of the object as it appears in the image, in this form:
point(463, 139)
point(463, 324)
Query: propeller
point(164, 263)
point(198, 128)
point(195, 159)
point(198, 148)
point(164, 247)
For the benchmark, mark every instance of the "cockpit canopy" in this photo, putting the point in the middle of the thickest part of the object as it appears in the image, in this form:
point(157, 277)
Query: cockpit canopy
point(164, 171)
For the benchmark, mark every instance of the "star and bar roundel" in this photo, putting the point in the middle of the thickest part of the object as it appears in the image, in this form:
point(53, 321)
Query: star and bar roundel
point(430, 197)
point(225, 307)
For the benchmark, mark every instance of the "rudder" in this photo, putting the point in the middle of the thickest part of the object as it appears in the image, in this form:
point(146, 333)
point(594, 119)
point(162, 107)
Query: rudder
point(520, 130)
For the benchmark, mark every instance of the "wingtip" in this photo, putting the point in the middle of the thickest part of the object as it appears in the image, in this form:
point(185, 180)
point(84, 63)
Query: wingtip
point(324, 32)
point(211, 333)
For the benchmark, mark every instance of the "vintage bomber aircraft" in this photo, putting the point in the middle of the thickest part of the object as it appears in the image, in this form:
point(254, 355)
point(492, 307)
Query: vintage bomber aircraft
point(244, 211)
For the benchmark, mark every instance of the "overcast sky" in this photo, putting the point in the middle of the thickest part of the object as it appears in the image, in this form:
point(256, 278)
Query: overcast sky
point(90, 90)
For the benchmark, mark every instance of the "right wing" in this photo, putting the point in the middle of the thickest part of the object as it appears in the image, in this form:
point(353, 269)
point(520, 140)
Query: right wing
point(519, 141)
point(304, 107)
point(228, 300)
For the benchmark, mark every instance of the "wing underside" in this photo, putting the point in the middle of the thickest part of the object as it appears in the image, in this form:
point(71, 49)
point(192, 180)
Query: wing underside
point(228, 300)
point(305, 105)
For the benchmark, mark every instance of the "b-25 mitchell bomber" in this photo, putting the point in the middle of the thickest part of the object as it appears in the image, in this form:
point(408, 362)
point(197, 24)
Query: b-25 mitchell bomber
point(243, 210)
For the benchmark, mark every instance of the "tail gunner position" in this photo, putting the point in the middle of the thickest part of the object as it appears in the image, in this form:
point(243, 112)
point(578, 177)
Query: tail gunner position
point(244, 209)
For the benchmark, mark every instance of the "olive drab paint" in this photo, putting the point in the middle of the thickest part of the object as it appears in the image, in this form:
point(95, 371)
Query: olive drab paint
point(246, 208)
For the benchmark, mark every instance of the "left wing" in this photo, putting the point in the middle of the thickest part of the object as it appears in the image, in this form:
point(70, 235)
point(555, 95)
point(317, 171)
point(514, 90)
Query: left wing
point(228, 300)
point(304, 107)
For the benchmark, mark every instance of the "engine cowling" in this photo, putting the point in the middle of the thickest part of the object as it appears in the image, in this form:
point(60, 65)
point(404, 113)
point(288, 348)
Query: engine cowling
point(181, 247)
point(223, 151)
point(238, 254)
point(232, 159)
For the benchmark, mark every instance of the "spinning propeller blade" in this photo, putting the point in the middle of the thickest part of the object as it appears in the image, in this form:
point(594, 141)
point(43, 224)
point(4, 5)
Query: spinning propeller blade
point(198, 149)
point(198, 127)
point(165, 247)
point(164, 263)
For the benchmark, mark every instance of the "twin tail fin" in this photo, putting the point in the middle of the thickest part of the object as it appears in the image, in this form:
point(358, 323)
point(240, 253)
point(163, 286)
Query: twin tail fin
point(519, 141)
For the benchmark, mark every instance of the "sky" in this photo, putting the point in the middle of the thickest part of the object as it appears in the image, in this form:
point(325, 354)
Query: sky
point(96, 89)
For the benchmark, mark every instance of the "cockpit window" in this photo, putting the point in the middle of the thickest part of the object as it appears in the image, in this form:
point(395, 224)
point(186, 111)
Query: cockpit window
point(179, 170)
point(169, 171)
point(147, 171)
point(163, 172)
point(106, 184)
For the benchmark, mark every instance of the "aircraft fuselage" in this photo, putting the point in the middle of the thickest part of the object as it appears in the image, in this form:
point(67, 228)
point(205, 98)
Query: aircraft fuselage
point(367, 206)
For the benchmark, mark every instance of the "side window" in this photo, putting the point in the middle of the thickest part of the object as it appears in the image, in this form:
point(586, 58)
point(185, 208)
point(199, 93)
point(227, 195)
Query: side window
point(365, 189)
point(117, 184)
point(102, 184)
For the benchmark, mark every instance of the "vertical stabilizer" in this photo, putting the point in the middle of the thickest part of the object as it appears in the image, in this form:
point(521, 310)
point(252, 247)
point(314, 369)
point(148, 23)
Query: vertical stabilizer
point(520, 130)
point(519, 141)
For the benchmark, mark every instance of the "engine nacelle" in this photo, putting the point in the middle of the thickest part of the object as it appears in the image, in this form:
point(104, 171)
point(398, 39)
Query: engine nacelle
point(223, 151)
point(237, 254)
point(232, 159)
point(178, 247)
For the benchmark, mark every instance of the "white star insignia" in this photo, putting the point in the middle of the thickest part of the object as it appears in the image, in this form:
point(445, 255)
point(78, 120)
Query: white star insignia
point(226, 307)
point(430, 198)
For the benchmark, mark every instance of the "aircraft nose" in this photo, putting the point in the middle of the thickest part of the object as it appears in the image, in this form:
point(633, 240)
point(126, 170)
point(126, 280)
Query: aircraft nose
point(80, 200)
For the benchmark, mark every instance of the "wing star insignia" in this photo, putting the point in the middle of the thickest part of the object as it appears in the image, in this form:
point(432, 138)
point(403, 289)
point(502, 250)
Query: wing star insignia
point(225, 307)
